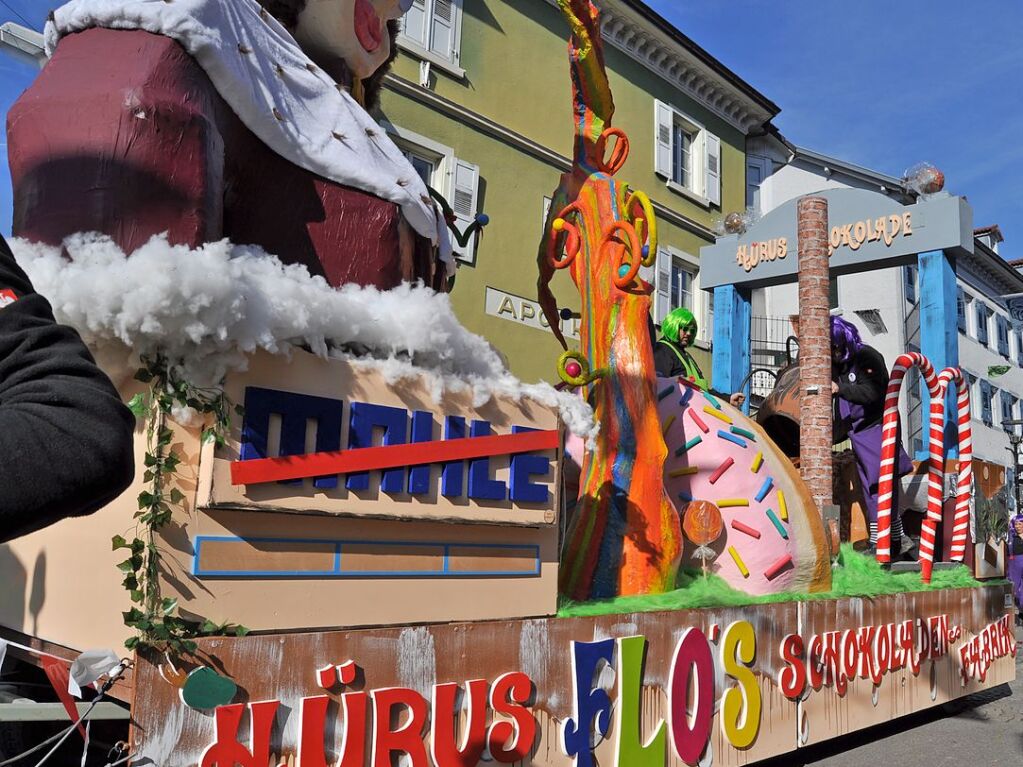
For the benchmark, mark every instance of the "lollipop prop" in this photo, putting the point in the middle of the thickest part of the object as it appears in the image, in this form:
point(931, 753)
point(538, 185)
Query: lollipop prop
point(703, 525)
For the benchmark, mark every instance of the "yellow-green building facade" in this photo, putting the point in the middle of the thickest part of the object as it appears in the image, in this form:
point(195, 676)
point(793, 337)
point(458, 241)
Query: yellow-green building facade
point(480, 99)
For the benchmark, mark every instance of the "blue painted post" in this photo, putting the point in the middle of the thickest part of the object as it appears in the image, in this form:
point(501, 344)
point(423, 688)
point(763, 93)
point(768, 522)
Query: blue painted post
point(939, 335)
point(731, 339)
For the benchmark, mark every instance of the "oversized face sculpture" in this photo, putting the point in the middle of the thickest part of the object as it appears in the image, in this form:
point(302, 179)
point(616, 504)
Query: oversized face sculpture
point(354, 31)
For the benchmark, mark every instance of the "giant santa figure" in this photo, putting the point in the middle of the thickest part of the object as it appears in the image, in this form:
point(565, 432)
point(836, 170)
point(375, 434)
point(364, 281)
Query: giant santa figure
point(237, 119)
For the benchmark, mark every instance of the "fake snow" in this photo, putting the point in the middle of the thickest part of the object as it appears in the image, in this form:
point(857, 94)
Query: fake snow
point(212, 306)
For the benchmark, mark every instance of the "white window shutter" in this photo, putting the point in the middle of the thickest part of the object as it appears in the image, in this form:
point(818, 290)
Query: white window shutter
point(664, 121)
point(442, 28)
point(413, 25)
point(662, 286)
point(712, 167)
point(464, 194)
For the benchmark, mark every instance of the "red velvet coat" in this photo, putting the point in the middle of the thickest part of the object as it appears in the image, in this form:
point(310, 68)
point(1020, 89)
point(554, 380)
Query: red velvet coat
point(123, 133)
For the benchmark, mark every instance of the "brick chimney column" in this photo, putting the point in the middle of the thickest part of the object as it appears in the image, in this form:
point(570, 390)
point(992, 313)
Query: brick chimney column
point(814, 349)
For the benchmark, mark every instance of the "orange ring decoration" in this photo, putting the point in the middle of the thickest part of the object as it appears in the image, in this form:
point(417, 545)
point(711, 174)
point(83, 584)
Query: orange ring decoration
point(632, 248)
point(619, 154)
point(560, 223)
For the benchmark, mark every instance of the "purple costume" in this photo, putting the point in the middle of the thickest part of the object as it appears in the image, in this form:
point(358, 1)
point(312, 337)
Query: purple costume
point(1015, 553)
point(861, 377)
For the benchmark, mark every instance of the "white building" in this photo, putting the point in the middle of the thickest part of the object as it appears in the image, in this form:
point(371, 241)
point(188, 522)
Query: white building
point(883, 304)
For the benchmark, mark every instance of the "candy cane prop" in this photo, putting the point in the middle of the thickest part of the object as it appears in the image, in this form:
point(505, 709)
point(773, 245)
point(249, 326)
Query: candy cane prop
point(961, 518)
point(937, 386)
point(889, 441)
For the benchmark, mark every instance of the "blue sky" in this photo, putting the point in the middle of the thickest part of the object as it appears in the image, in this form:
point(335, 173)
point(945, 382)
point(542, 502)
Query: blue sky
point(881, 84)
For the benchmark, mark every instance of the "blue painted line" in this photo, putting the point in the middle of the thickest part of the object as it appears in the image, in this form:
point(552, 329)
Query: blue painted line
point(686, 497)
point(337, 571)
point(765, 489)
point(777, 524)
point(689, 446)
point(713, 402)
point(665, 393)
point(731, 438)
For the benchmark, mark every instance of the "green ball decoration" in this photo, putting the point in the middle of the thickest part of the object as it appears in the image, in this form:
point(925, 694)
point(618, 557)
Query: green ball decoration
point(205, 689)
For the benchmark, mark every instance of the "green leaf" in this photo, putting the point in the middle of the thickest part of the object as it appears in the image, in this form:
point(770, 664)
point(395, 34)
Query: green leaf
point(209, 627)
point(240, 631)
point(165, 436)
point(168, 604)
point(148, 476)
point(133, 616)
point(118, 542)
point(136, 595)
point(239, 409)
point(150, 459)
point(171, 462)
point(131, 643)
point(176, 496)
point(143, 375)
point(208, 435)
point(126, 566)
point(146, 499)
point(137, 405)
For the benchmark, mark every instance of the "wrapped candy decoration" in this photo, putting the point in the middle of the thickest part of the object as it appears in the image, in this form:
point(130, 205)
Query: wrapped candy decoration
point(702, 524)
point(924, 178)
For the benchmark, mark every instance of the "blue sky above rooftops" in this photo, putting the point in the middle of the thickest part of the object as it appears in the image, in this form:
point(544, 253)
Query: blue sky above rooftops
point(879, 84)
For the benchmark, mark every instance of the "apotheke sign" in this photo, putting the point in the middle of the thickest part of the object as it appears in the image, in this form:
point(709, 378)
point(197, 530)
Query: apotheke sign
point(523, 311)
point(867, 230)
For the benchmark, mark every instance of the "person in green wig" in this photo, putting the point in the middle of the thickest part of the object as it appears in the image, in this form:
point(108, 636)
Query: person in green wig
point(671, 352)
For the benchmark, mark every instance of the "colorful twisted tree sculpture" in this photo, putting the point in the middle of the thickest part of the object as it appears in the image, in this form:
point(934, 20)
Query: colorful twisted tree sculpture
point(625, 537)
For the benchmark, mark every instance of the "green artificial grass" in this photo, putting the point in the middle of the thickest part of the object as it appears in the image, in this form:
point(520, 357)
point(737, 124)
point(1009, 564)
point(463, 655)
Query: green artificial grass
point(857, 576)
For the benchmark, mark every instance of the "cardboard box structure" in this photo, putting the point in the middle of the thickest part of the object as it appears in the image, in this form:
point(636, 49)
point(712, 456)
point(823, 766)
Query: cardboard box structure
point(466, 540)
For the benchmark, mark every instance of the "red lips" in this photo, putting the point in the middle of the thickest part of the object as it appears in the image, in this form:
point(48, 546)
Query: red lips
point(368, 28)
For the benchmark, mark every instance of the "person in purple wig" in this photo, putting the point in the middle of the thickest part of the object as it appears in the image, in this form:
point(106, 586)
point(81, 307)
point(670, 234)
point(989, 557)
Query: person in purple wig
point(1014, 570)
point(859, 379)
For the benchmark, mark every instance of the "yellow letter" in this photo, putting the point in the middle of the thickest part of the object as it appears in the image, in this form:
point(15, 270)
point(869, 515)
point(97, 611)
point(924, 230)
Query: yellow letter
point(738, 652)
point(907, 223)
point(783, 247)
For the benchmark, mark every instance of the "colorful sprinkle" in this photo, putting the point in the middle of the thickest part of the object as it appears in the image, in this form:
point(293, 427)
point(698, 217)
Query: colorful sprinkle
point(685, 497)
point(698, 421)
point(782, 507)
point(774, 570)
point(721, 470)
point(750, 531)
point(765, 489)
point(713, 402)
point(731, 438)
point(684, 472)
point(667, 424)
point(744, 433)
point(729, 503)
point(777, 523)
point(738, 561)
point(758, 461)
point(666, 392)
point(689, 445)
point(717, 414)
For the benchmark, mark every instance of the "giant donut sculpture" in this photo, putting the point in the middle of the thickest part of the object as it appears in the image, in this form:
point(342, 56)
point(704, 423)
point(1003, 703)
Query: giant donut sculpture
point(774, 537)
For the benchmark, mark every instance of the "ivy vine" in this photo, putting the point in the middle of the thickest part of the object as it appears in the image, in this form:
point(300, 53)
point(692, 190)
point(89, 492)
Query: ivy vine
point(154, 617)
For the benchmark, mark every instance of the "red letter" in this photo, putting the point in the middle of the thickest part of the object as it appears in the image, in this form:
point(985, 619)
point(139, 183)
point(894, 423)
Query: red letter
point(353, 739)
point(509, 696)
point(312, 728)
point(408, 738)
point(691, 654)
point(444, 749)
point(792, 679)
point(226, 750)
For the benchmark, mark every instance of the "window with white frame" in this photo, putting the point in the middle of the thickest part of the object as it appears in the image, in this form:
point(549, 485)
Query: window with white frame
point(432, 29)
point(456, 179)
point(676, 278)
point(757, 169)
point(981, 311)
point(687, 155)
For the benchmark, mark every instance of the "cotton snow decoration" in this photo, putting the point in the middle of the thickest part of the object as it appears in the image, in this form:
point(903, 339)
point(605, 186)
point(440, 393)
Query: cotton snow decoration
point(208, 308)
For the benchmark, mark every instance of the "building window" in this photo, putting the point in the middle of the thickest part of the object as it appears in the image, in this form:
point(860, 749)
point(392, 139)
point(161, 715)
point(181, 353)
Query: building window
point(961, 310)
point(686, 154)
point(909, 282)
point(1019, 346)
point(676, 280)
point(432, 28)
point(981, 314)
point(1002, 328)
point(757, 170)
point(986, 395)
point(456, 179)
point(1008, 406)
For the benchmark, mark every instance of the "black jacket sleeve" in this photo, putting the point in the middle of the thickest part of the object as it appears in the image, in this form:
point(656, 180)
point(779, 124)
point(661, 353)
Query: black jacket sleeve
point(66, 439)
point(666, 362)
point(870, 383)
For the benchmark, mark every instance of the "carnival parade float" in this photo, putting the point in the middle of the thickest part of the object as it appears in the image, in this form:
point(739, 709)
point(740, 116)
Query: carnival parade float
point(354, 537)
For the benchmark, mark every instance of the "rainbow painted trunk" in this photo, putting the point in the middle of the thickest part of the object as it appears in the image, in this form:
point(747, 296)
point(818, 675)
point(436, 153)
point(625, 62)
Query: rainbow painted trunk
point(626, 535)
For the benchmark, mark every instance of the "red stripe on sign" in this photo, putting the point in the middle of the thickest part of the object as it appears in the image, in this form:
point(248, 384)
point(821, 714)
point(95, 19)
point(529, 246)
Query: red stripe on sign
point(262, 470)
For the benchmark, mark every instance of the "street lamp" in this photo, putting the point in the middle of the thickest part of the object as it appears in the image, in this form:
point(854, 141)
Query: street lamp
point(1016, 441)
